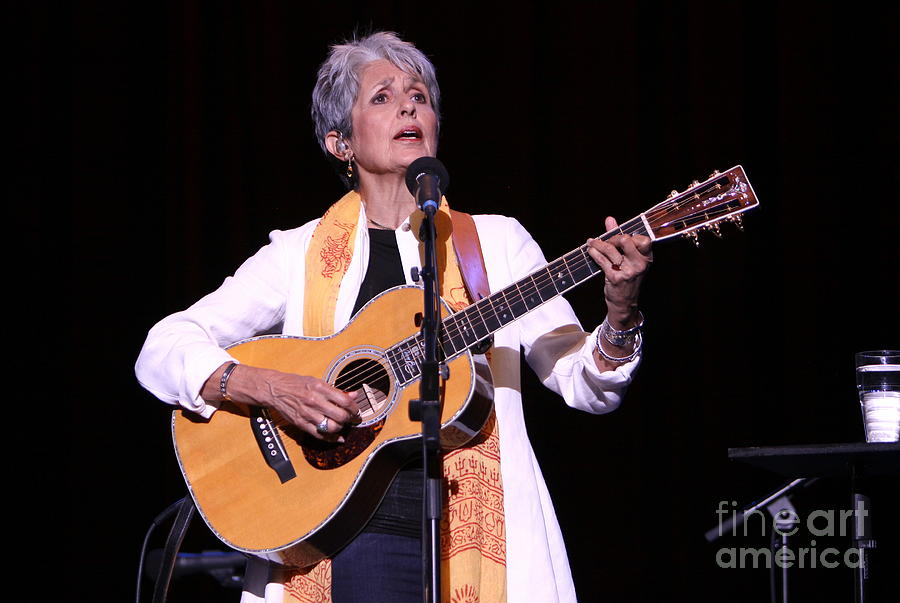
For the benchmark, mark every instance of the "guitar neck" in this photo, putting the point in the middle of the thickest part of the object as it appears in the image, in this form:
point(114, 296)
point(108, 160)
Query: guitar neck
point(721, 197)
point(462, 330)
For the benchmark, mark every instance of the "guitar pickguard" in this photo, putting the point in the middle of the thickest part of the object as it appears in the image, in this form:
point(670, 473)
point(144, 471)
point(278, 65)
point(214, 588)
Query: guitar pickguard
point(324, 455)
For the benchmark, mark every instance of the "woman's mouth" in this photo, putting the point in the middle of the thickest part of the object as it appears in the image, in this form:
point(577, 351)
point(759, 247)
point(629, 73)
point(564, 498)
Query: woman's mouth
point(411, 133)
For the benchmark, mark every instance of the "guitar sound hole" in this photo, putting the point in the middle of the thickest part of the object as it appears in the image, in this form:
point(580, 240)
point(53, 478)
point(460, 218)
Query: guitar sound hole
point(369, 383)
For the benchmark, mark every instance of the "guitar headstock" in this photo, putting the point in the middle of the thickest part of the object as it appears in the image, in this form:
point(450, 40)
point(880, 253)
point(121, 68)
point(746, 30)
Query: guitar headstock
point(704, 205)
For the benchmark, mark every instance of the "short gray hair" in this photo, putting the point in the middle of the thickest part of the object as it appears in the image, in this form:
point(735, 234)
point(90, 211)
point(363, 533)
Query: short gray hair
point(337, 84)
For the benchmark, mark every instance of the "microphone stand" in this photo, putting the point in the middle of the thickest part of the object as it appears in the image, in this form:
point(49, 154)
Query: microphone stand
point(861, 536)
point(784, 518)
point(739, 518)
point(427, 409)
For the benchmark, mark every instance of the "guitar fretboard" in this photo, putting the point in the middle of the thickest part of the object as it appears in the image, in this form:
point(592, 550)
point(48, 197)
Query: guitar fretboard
point(462, 330)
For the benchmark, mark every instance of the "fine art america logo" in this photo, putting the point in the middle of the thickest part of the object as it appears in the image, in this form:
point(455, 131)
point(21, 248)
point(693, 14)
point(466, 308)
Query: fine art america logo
point(821, 523)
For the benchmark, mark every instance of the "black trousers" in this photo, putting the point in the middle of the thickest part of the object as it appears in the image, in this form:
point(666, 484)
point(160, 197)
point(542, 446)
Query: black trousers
point(378, 568)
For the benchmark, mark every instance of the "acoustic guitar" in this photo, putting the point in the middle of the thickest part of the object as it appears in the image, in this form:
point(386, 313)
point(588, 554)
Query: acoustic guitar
point(267, 489)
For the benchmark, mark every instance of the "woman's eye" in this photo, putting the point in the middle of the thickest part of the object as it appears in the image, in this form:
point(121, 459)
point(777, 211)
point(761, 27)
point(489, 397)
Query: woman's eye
point(380, 98)
point(419, 97)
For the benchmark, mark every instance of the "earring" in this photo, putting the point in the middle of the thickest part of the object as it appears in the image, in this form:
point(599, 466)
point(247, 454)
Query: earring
point(340, 146)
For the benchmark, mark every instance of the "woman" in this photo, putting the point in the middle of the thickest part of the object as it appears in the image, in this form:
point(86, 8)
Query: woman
point(376, 110)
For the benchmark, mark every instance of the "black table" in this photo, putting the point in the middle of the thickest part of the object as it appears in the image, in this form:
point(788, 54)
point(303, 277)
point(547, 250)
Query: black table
point(853, 460)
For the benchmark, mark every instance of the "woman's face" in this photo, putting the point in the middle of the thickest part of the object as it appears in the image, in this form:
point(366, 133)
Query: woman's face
point(393, 121)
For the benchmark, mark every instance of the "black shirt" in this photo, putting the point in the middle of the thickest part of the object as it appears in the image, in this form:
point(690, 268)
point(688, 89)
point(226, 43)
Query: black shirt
point(401, 510)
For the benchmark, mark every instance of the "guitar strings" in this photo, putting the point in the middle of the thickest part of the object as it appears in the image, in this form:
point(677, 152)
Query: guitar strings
point(667, 205)
point(577, 259)
point(574, 260)
point(451, 329)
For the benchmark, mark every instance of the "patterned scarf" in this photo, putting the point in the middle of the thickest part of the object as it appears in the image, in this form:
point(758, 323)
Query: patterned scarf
point(473, 533)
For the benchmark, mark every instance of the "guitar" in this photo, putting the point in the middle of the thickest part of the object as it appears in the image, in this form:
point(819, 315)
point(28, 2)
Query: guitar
point(267, 489)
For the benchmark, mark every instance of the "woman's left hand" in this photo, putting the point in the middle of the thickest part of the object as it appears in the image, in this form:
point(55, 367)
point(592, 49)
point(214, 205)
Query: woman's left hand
point(624, 260)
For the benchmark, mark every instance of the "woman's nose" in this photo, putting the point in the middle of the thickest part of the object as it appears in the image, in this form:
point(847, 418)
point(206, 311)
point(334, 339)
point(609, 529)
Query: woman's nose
point(408, 109)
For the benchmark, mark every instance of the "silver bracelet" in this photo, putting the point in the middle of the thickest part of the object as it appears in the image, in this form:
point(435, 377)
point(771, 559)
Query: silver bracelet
point(223, 382)
point(638, 344)
point(621, 338)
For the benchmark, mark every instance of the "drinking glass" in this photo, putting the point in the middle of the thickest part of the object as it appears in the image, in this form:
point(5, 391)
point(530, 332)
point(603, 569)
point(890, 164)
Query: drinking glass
point(878, 384)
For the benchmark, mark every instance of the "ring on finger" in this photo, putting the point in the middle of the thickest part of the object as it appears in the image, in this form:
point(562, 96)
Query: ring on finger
point(322, 427)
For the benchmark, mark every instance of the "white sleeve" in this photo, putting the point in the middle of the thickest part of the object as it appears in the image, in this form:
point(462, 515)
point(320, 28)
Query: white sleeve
point(184, 349)
point(555, 345)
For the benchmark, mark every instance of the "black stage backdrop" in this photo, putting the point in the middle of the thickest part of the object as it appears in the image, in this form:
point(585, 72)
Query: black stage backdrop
point(167, 139)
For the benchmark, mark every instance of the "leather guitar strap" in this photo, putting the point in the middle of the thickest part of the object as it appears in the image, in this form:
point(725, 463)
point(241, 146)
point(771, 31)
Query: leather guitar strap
point(469, 256)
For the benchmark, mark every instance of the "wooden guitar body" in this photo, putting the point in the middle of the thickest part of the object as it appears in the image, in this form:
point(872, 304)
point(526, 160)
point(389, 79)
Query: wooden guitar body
point(335, 488)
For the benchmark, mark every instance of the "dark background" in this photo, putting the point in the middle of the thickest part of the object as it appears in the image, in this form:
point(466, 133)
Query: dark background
point(163, 141)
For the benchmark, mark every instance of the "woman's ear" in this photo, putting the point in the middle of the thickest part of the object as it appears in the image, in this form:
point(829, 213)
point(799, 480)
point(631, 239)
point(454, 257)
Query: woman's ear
point(337, 145)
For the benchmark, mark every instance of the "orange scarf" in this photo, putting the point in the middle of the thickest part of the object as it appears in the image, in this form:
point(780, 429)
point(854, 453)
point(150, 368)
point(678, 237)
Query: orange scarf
point(473, 533)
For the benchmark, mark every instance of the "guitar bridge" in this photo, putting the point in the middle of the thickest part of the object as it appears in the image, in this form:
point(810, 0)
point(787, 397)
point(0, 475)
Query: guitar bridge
point(270, 445)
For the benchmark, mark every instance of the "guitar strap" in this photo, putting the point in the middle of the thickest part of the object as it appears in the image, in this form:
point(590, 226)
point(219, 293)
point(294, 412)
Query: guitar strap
point(468, 254)
point(471, 265)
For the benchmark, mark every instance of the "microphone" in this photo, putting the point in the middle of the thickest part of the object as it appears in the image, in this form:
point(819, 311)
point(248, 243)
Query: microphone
point(427, 179)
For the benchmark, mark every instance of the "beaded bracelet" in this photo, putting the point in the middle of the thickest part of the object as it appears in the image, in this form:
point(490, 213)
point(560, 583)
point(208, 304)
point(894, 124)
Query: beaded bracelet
point(223, 382)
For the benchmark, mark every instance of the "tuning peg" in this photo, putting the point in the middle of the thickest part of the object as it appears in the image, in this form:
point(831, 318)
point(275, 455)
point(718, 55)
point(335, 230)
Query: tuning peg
point(693, 236)
point(673, 194)
point(738, 221)
point(693, 184)
point(714, 174)
point(714, 228)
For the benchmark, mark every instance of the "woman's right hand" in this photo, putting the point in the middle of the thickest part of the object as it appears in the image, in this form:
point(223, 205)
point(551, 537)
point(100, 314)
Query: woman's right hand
point(302, 400)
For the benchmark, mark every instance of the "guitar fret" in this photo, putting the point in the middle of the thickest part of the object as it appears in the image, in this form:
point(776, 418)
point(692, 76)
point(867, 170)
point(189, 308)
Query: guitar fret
point(420, 350)
point(634, 226)
point(408, 365)
point(489, 315)
point(515, 301)
point(530, 293)
point(464, 328)
point(637, 226)
point(562, 278)
point(452, 337)
point(584, 267)
point(501, 308)
point(479, 327)
point(543, 282)
point(393, 356)
point(390, 356)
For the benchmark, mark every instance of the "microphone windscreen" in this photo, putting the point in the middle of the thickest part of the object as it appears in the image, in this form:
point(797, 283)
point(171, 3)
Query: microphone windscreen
point(426, 165)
